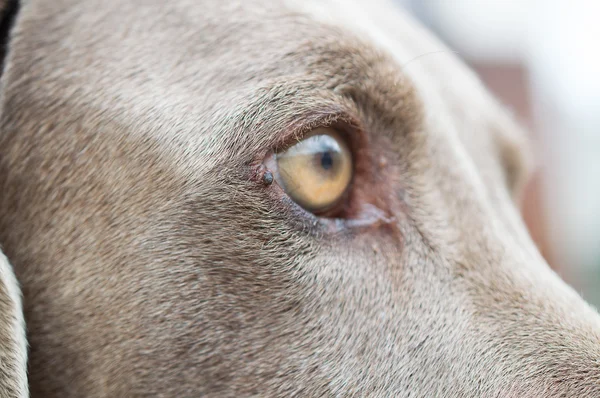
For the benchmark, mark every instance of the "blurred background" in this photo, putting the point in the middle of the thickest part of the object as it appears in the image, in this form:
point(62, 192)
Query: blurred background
point(542, 59)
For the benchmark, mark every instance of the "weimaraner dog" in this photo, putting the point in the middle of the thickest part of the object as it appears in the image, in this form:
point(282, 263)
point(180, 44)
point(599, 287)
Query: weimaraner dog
point(287, 198)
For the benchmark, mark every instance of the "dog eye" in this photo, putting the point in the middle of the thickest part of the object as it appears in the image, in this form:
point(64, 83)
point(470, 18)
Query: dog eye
point(317, 171)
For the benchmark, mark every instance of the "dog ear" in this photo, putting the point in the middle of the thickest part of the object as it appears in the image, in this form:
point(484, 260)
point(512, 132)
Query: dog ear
point(8, 12)
point(13, 342)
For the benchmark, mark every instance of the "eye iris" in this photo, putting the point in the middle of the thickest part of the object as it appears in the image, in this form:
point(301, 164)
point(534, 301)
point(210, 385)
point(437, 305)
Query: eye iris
point(316, 171)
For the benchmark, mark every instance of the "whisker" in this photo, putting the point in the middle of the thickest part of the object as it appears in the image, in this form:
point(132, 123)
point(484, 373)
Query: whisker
point(429, 53)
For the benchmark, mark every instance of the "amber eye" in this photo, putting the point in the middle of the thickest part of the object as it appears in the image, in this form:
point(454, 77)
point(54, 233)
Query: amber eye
point(316, 171)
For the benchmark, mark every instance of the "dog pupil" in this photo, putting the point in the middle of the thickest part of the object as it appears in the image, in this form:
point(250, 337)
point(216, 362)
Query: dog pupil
point(326, 160)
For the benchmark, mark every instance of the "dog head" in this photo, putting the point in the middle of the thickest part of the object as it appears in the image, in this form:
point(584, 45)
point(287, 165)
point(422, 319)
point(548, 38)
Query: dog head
point(163, 251)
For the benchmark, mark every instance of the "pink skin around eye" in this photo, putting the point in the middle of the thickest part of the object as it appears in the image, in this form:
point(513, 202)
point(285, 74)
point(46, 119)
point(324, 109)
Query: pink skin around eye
point(368, 216)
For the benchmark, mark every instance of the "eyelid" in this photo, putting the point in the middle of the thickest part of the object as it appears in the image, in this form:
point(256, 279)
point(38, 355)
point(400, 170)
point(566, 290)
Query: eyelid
point(334, 116)
point(344, 118)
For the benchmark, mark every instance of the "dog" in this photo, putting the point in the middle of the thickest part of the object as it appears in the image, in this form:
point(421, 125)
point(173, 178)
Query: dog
point(286, 198)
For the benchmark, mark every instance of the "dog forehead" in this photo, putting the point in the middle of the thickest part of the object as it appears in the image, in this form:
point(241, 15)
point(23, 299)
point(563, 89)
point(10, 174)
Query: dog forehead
point(181, 72)
point(163, 55)
point(177, 72)
point(179, 58)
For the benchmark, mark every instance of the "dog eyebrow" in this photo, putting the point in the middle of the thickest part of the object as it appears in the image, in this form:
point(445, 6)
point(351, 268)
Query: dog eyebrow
point(336, 81)
point(283, 111)
point(370, 77)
